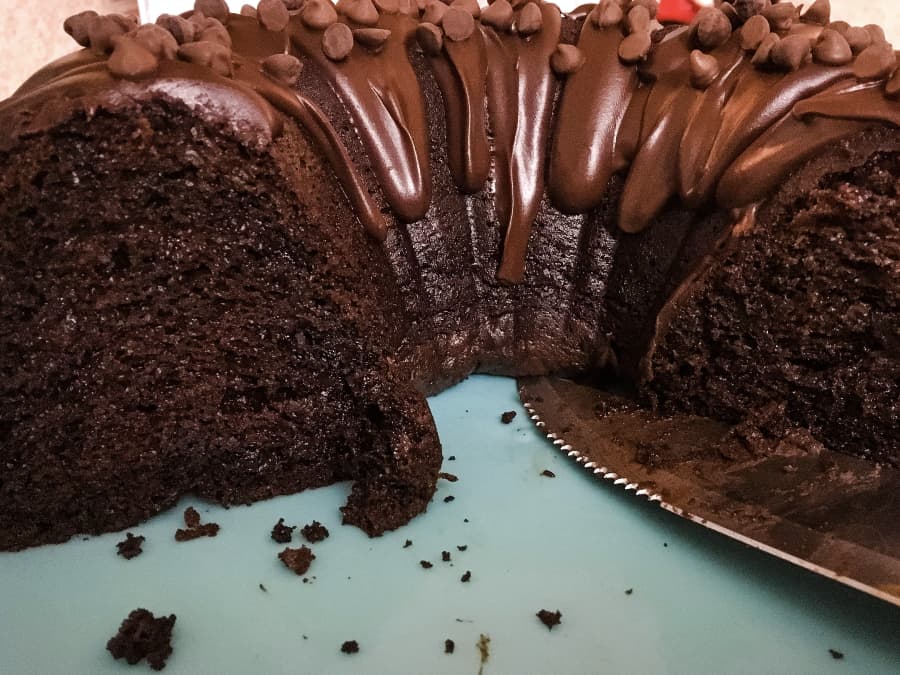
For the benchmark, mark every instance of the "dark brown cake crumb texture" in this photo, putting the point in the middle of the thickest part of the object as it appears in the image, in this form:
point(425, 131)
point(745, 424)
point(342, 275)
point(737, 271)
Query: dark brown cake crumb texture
point(445, 556)
point(449, 646)
point(467, 577)
point(130, 547)
point(282, 533)
point(547, 473)
point(550, 619)
point(143, 636)
point(448, 499)
point(314, 532)
point(835, 654)
point(297, 560)
point(194, 529)
point(350, 647)
point(407, 543)
point(462, 547)
point(508, 416)
point(449, 477)
point(425, 564)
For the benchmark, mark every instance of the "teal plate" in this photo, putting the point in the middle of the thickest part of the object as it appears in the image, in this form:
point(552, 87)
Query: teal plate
point(699, 603)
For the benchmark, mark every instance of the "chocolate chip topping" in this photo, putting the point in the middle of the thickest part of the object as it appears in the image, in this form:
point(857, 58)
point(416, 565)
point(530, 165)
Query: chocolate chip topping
point(819, 12)
point(213, 55)
point(318, 14)
point(498, 16)
point(272, 15)
point(638, 19)
point(761, 56)
point(77, 26)
point(635, 47)
point(753, 31)
point(875, 61)
point(215, 9)
point(362, 12)
point(877, 32)
point(157, 40)
point(180, 28)
point(388, 6)
point(372, 39)
point(728, 10)
point(607, 13)
point(858, 38)
point(284, 68)
point(791, 52)
point(781, 16)
point(704, 69)
point(434, 12)
point(337, 41)
point(530, 19)
point(248, 10)
point(832, 49)
point(471, 6)
point(652, 6)
point(566, 59)
point(430, 38)
point(711, 28)
point(213, 30)
point(749, 8)
point(102, 31)
point(458, 24)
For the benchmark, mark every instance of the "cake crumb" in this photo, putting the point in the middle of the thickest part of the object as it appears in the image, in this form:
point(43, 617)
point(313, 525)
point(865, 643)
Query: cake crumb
point(547, 473)
point(629, 591)
point(449, 646)
point(549, 619)
point(407, 543)
point(350, 647)
point(445, 556)
point(194, 529)
point(483, 645)
point(297, 560)
point(448, 499)
point(467, 577)
point(314, 532)
point(835, 654)
point(449, 477)
point(130, 547)
point(462, 548)
point(425, 564)
point(508, 416)
point(282, 533)
point(143, 636)
point(451, 458)
point(263, 588)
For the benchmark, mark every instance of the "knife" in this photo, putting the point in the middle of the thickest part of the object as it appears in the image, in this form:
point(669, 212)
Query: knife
point(833, 514)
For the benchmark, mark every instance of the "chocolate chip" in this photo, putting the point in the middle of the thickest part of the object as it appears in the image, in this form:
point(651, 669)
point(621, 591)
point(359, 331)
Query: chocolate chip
point(471, 6)
point(638, 19)
point(272, 15)
point(858, 38)
point(781, 16)
point(791, 52)
point(213, 55)
point(372, 39)
point(819, 12)
point(566, 59)
point(652, 6)
point(753, 32)
point(318, 14)
point(704, 69)
point(711, 28)
point(530, 19)
point(215, 9)
point(430, 38)
point(892, 88)
point(157, 40)
point(77, 26)
point(458, 24)
point(102, 31)
point(294, 5)
point(728, 10)
point(832, 49)
point(362, 12)
point(498, 16)
point(840, 26)
point(607, 13)
point(337, 41)
point(285, 68)
point(248, 10)
point(761, 56)
point(747, 8)
point(213, 30)
point(181, 29)
point(434, 12)
point(875, 62)
point(635, 47)
point(877, 32)
point(388, 6)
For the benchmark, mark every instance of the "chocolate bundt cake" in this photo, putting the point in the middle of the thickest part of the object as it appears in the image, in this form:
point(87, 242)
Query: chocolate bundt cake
point(238, 250)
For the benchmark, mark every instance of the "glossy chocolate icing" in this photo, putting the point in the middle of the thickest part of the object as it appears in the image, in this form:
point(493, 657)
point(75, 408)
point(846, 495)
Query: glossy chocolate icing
point(726, 139)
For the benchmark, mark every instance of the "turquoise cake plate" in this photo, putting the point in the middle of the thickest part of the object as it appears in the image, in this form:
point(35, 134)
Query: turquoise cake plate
point(640, 590)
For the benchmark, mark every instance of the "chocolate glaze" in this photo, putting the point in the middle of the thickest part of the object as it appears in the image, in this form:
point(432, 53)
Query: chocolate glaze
point(725, 144)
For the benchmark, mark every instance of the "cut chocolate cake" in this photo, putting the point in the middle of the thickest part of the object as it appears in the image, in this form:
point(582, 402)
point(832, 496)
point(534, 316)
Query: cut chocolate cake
point(237, 251)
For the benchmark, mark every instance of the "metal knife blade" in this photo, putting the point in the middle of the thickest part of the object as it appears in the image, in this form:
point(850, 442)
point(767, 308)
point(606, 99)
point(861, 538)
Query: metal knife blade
point(835, 515)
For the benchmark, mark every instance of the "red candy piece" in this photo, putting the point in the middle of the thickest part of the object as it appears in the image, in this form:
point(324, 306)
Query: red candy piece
point(677, 11)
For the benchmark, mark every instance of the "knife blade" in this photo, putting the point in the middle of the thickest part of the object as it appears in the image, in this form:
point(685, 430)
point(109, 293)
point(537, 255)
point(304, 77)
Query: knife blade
point(836, 515)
